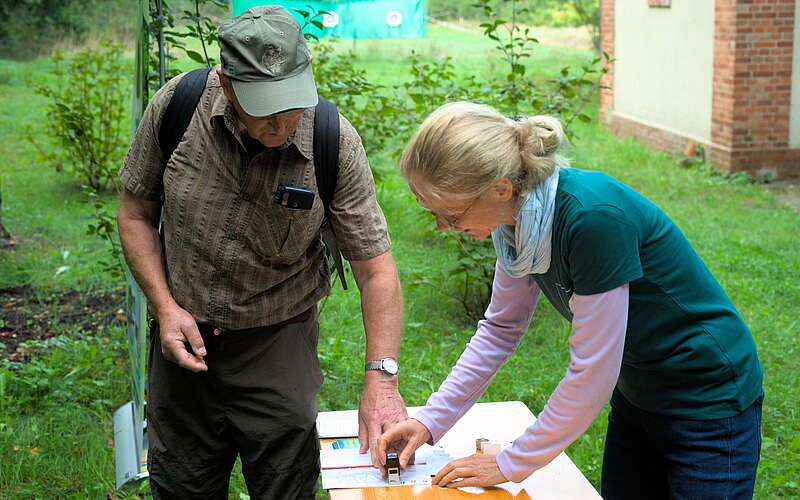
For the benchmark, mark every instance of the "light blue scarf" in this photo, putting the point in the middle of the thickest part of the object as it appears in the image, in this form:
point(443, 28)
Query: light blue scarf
point(525, 248)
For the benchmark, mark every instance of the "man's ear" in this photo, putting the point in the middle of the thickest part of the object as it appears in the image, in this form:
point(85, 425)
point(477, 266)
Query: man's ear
point(227, 88)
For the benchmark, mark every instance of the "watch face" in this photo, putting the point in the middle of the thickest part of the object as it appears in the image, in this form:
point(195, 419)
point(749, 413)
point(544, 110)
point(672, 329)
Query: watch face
point(390, 366)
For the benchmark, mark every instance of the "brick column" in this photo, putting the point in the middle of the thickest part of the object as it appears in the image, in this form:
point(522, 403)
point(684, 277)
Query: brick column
point(607, 45)
point(753, 44)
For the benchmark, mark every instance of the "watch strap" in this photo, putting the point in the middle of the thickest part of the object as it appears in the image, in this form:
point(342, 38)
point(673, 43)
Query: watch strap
point(373, 365)
point(386, 365)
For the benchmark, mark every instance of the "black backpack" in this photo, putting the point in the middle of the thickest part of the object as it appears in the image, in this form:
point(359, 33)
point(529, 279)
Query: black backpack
point(326, 148)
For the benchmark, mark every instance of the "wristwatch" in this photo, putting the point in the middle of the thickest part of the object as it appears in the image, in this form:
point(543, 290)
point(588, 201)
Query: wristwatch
point(388, 365)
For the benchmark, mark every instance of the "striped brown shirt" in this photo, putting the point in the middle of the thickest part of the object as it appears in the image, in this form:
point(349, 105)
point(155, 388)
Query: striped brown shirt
point(236, 259)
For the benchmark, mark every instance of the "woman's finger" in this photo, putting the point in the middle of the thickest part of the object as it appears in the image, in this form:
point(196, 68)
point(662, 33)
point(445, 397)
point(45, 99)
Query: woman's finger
point(442, 473)
point(467, 481)
point(413, 442)
point(454, 475)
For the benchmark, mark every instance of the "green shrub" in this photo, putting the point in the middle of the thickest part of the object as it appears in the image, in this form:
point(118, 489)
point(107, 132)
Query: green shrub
point(85, 133)
point(370, 107)
point(469, 281)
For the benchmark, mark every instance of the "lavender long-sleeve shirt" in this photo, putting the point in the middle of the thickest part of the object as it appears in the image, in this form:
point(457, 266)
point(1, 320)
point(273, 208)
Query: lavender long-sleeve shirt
point(596, 346)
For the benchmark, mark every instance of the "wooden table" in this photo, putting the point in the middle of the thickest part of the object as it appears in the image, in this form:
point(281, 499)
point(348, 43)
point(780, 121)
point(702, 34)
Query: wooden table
point(559, 480)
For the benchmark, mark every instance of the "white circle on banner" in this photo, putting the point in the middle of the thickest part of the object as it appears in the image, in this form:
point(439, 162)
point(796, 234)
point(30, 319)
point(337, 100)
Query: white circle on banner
point(394, 18)
point(330, 19)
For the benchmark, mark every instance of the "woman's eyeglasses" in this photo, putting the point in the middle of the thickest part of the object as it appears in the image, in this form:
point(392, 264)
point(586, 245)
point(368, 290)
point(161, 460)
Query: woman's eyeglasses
point(451, 221)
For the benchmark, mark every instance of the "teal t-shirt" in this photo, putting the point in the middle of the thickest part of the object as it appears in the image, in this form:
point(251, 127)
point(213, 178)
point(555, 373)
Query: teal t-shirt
point(688, 353)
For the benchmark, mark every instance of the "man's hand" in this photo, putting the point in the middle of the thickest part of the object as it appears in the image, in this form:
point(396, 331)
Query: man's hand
point(176, 329)
point(404, 438)
point(381, 407)
point(474, 470)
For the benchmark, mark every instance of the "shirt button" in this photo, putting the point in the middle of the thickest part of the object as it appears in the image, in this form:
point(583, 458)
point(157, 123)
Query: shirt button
point(246, 197)
point(217, 331)
point(231, 236)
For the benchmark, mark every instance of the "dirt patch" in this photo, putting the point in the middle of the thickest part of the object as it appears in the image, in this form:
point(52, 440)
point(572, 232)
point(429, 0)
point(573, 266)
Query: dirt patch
point(26, 315)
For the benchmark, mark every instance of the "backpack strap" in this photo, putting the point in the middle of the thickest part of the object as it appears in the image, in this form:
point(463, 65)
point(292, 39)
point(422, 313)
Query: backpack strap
point(175, 120)
point(326, 151)
point(326, 170)
point(180, 110)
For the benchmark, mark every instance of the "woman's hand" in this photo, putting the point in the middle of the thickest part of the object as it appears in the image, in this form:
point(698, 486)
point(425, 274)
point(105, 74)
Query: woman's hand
point(474, 470)
point(404, 438)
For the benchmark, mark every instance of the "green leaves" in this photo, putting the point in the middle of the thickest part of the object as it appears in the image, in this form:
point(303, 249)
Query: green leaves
point(84, 135)
point(310, 19)
point(103, 225)
point(195, 56)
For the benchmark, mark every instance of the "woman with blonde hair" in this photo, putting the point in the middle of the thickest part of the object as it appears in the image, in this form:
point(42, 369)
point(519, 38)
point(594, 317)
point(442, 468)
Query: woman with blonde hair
point(652, 330)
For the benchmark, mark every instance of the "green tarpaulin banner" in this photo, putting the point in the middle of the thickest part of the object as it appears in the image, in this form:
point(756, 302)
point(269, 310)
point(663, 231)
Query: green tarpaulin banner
point(355, 19)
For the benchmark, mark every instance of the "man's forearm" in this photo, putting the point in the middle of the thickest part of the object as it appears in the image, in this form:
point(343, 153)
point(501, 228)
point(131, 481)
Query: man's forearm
point(142, 248)
point(382, 309)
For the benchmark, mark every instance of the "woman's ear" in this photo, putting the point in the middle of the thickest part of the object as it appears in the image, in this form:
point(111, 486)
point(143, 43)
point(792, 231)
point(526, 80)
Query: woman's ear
point(503, 189)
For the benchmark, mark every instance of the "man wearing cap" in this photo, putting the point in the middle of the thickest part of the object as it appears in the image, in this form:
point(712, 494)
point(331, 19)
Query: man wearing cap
point(233, 361)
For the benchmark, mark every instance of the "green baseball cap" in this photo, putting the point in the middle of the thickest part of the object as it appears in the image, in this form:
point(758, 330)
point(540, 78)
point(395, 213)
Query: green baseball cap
point(264, 54)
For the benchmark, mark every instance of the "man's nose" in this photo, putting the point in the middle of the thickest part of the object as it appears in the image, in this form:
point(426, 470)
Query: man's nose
point(272, 124)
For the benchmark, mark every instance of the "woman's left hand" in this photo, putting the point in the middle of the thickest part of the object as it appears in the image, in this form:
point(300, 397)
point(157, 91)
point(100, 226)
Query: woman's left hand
point(474, 470)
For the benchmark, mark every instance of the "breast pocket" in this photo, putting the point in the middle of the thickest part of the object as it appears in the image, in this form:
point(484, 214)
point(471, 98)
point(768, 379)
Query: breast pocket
point(303, 226)
point(282, 235)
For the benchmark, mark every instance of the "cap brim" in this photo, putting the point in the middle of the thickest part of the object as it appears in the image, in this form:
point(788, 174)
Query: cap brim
point(269, 97)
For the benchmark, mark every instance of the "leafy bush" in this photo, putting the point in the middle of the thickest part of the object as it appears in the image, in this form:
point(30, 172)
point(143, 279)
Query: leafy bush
point(199, 26)
point(469, 281)
point(85, 133)
point(370, 107)
point(77, 371)
point(514, 93)
point(103, 225)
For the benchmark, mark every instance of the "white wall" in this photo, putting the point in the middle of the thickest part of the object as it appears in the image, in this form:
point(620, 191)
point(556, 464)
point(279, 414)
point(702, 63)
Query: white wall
point(794, 113)
point(664, 68)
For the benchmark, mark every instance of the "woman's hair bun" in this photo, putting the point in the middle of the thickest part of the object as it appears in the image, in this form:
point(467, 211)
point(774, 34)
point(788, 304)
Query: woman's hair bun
point(540, 136)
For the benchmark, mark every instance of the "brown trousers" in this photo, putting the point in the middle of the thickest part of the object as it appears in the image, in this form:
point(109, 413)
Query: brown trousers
point(257, 400)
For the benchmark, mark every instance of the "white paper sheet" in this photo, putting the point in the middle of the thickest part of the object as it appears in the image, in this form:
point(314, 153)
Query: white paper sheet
point(337, 424)
point(340, 424)
point(348, 469)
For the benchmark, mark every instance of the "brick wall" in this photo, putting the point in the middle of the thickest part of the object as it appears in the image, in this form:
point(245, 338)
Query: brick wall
point(753, 47)
point(607, 45)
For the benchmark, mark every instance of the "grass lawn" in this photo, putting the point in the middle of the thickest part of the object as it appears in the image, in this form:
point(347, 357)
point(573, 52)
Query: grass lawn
point(55, 411)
